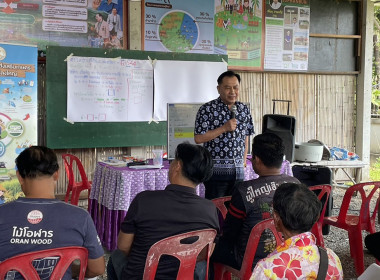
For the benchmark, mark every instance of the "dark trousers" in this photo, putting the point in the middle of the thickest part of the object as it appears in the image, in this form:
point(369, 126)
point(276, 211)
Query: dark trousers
point(115, 265)
point(372, 242)
point(223, 253)
point(118, 260)
point(215, 187)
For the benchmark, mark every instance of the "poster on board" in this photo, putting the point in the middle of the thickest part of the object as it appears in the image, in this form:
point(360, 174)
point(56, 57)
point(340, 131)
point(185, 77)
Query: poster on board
point(178, 26)
point(76, 23)
point(239, 33)
point(18, 112)
point(287, 24)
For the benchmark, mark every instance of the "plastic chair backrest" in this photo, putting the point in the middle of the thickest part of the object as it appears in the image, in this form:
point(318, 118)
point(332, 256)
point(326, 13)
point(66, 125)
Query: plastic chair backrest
point(365, 216)
point(253, 242)
point(371, 273)
point(324, 193)
point(354, 224)
point(185, 253)
point(75, 187)
point(220, 204)
point(24, 263)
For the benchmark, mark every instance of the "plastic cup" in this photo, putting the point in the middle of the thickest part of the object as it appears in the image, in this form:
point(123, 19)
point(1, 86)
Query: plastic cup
point(157, 157)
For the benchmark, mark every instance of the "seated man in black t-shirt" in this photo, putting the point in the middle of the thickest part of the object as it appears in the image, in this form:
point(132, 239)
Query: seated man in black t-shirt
point(251, 203)
point(154, 215)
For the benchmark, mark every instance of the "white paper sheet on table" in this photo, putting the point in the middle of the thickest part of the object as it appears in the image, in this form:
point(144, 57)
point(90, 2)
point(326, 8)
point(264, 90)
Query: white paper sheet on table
point(119, 163)
point(146, 166)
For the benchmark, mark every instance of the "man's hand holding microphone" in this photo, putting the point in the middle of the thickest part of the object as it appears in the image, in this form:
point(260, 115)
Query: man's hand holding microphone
point(230, 125)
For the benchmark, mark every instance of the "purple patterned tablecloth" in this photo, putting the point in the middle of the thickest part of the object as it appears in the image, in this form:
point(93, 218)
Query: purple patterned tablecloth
point(113, 189)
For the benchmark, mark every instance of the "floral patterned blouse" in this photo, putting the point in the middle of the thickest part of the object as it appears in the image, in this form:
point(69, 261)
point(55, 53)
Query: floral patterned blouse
point(297, 258)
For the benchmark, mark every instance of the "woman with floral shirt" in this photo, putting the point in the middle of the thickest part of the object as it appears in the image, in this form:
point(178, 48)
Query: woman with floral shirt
point(295, 210)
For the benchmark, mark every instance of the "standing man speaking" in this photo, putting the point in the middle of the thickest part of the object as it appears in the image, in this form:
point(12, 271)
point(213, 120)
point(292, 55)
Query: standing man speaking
point(223, 125)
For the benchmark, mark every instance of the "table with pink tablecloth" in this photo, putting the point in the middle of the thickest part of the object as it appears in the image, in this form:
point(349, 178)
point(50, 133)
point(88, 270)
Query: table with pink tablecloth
point(113, 189)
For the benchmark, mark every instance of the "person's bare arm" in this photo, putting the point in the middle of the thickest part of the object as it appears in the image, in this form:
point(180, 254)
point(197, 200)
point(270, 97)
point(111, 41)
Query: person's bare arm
point(124, 242)
point(246, 150)
point(95, 267)
point(212, 134)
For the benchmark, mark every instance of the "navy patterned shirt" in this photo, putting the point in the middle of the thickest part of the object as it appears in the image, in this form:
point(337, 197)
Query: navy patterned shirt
point(227, 149)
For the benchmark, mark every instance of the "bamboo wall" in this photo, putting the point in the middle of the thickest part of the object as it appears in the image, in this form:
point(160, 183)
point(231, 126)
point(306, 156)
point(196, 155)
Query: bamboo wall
point(323, 105)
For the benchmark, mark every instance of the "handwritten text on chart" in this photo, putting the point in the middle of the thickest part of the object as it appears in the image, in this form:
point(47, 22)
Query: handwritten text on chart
point(109, 89)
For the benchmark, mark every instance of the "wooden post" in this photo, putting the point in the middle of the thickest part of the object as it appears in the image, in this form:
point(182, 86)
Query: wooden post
point(364, 87)
point(135, 26)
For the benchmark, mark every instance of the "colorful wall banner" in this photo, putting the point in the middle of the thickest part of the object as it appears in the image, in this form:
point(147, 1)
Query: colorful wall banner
point(255, 34)
point(76, 23)
point(287, 24)
point(178, 26)
point(18, 112)
point(239, 33)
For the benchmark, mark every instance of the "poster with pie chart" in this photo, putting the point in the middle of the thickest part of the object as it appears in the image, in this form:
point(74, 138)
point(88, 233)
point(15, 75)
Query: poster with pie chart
point(178, 31)
point(179, 26)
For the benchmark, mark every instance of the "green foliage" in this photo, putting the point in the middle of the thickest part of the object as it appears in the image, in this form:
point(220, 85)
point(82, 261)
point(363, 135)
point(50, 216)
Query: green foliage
point(377, 14)
point(374, 171)
point(376, 97)
point(375, 91)
point(255, 3)
point(12, 190)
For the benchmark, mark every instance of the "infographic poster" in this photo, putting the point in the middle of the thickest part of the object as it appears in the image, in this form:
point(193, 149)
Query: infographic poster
point(18, 112)
point(77, 23)
point(178, 26)
point(287, 24)
point(238, 32)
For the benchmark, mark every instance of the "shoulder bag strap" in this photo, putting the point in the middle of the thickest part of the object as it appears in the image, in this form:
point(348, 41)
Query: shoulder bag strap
point(323, 264)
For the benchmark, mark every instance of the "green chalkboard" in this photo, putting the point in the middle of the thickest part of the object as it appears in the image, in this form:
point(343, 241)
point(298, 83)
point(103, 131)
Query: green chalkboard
point(61, 134)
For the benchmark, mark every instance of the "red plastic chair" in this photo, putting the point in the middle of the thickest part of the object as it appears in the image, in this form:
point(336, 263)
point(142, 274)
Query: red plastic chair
point(24, 263)
point(186, 253)
point(75, 187)
point(325, 191)
point(354, 224)
point(220, 204)
point(222, 271)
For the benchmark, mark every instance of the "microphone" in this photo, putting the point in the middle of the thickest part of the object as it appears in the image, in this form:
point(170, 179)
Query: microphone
point(234, 111)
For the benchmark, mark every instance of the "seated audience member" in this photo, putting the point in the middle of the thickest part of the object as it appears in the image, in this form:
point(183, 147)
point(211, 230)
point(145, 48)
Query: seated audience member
point(154, 215)
point(295, 210)
point(251, 203)
point(372, 242)
point(38, 221)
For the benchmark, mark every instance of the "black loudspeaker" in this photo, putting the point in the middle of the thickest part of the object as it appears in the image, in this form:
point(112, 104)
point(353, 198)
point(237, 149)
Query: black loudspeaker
point(316, 175)
point(283, 126)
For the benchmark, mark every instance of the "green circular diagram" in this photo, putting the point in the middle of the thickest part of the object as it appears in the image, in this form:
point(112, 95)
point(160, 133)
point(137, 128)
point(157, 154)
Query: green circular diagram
point(178, 31)
point(15, 128)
